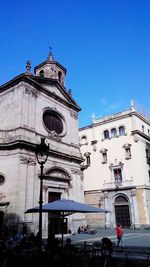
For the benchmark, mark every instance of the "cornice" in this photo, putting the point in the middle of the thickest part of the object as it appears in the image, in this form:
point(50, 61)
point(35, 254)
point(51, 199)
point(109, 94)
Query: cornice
point(141, 134)
point(117, 189)
point(115, 117)
point(139, 115)
point(32, 80)
point(22, 144)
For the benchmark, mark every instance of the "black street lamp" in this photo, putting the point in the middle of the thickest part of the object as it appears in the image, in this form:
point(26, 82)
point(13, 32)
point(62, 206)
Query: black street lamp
point(42, 151)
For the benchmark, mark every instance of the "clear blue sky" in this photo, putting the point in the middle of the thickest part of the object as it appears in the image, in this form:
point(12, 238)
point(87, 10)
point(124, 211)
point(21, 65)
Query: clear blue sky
point(104, 44)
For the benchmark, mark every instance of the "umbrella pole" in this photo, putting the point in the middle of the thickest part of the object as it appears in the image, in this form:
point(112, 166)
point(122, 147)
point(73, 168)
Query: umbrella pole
point(62, 228)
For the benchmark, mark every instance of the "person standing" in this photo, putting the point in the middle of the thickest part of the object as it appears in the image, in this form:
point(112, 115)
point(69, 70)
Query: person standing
point(119, 233)
point(24, 231)
point(107, 245)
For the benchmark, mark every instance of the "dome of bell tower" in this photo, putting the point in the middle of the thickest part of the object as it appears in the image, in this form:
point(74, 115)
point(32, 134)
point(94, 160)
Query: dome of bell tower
point(51, 69)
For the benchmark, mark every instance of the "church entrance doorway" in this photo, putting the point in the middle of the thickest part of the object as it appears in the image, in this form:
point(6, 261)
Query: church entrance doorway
point(56, 224)
point(122, 213)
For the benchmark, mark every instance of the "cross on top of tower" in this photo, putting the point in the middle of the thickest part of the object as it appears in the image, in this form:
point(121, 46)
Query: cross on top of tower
point(50, 56)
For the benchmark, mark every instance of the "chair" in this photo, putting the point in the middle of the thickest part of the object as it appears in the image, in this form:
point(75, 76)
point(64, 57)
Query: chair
point(86, 253)
point(97, 246)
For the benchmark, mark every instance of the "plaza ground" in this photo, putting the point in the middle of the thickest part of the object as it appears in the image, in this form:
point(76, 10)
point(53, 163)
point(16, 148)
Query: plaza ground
point(140, 238)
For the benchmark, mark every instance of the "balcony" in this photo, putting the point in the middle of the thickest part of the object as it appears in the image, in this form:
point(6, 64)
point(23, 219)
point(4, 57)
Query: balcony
point(118, 185)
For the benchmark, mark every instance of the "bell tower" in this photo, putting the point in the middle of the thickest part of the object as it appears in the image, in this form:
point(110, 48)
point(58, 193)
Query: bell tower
point(51, 69)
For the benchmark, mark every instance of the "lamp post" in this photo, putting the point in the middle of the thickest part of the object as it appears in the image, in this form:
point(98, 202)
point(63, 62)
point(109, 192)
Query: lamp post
point(42, 151)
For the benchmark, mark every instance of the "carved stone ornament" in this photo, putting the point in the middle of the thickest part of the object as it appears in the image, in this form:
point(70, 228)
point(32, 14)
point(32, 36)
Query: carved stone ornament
point(57, 173)
point(53, 135)
point(2, 196)
point(74, 115)
point(76, 171)
point(133, 192)
point(28, 66)
point(30, 91)
point(28, 161)
point(105, 194)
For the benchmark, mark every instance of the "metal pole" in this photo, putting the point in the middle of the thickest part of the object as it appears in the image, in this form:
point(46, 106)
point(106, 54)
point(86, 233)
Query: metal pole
point(132, 197)
point(40, 208)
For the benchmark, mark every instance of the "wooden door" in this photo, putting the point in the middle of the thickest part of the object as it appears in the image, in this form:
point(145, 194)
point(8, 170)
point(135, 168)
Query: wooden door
point(122, 215)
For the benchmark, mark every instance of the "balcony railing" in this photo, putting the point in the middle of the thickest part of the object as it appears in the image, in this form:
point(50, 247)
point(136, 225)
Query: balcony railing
point(113, 185)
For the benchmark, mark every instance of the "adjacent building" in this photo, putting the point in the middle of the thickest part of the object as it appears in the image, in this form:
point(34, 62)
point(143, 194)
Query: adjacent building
point(117, 150)
point(35, 106)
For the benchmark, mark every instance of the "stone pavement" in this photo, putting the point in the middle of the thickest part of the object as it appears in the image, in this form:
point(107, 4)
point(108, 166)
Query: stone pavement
point(131, 237)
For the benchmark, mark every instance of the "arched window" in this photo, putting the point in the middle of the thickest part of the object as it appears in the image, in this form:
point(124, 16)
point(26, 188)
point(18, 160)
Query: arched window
point(106, 134)
point(113, 132)
point(104, 155)
point(42, 73)
point(127, 148)
point(60, 76)
point(121, 130)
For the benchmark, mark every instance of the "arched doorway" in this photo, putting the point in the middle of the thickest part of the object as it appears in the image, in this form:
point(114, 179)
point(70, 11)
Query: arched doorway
point(122, 213)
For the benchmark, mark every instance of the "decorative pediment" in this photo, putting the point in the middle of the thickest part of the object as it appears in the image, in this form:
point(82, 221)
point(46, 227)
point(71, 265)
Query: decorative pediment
point(50, 87)
point(55, 90)
point(57, 174)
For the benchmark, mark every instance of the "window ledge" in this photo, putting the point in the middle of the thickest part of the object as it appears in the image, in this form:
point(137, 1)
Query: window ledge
point(128, 157)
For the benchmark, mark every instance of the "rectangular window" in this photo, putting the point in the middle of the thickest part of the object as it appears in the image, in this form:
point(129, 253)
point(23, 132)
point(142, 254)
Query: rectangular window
point(104, 157)
point(88, 160)
point(147, 155)
point(146, 150)
point(128, 153)
point(143, 128)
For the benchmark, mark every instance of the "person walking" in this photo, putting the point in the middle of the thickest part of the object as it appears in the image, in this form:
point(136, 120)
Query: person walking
point(119, 233)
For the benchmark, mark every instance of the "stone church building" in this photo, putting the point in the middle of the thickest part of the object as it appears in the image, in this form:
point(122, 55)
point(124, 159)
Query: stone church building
point(35, 106)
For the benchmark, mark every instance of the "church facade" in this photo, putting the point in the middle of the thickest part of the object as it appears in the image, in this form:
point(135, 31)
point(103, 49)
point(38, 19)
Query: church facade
point(117, 150)
point(35, 106)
